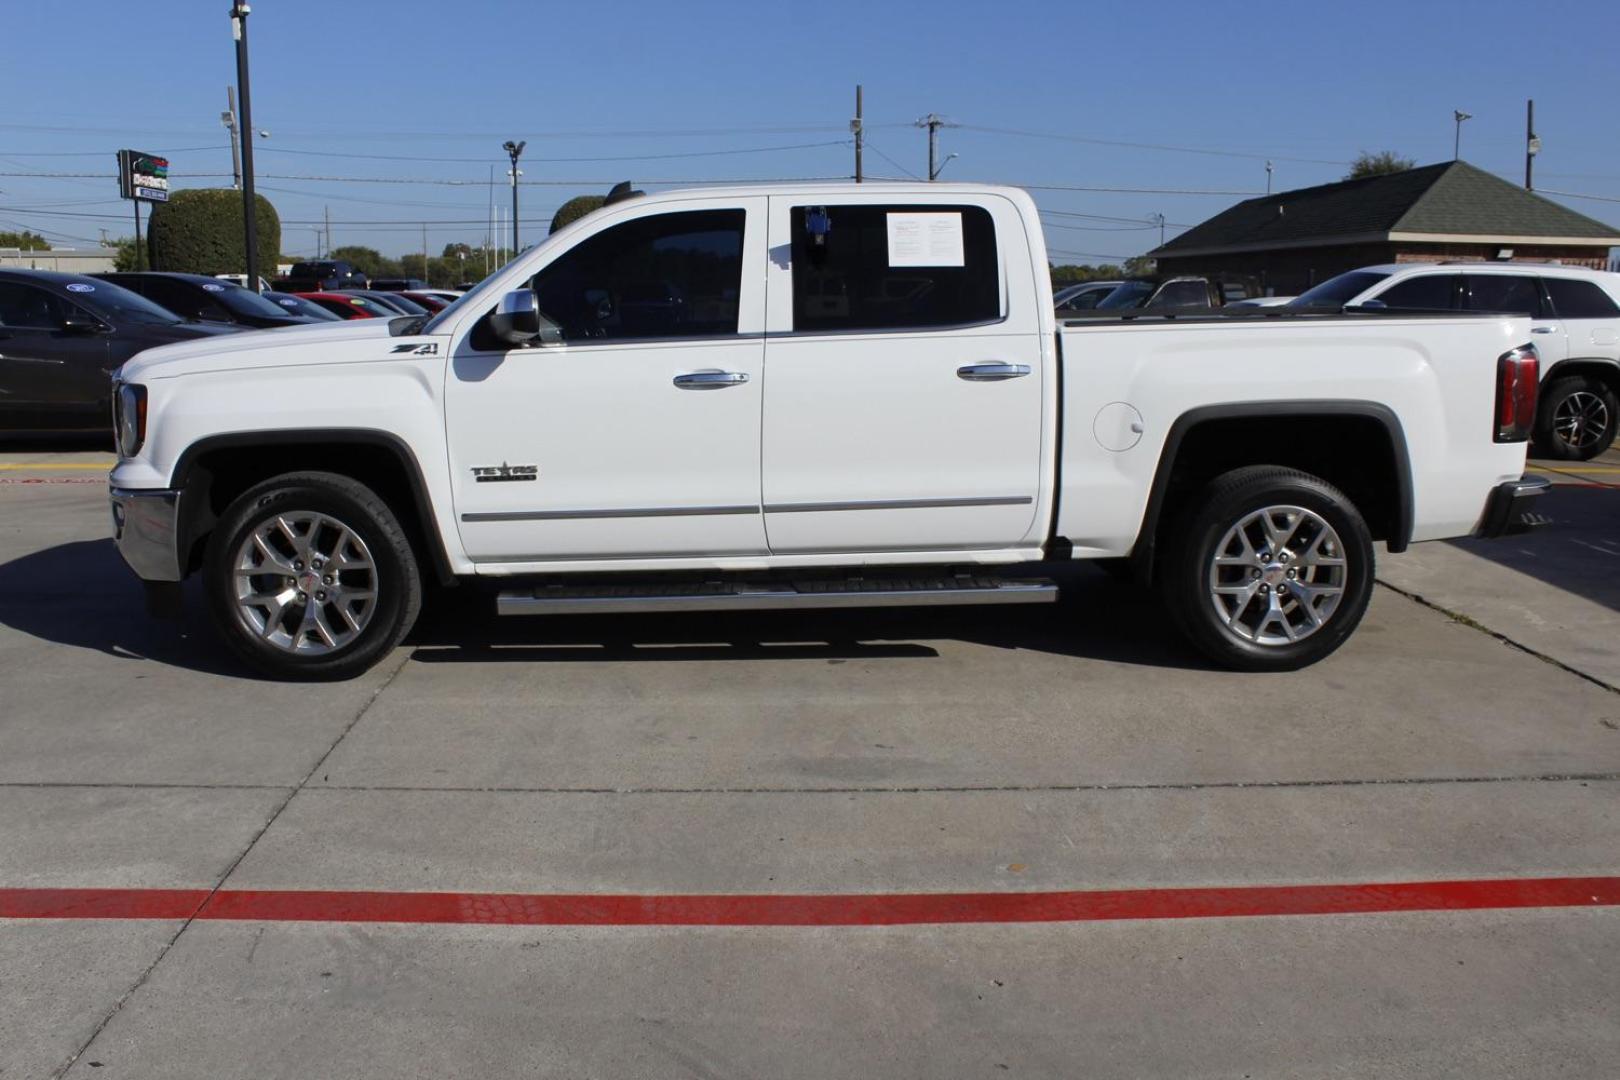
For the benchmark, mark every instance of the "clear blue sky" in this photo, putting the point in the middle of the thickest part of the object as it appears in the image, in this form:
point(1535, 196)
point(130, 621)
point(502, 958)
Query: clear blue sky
point(1306, 85)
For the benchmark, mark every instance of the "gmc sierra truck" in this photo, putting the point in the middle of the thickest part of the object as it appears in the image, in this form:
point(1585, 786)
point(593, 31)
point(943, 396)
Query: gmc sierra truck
point(809, 396)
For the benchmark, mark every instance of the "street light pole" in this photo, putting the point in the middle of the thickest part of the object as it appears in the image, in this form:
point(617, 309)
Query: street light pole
point(250, 225)
point(1456, 145)
point(514, 150)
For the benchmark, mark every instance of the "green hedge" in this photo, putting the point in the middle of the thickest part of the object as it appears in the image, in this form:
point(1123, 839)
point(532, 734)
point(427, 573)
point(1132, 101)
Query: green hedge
point(199, 231)
point(576, 208)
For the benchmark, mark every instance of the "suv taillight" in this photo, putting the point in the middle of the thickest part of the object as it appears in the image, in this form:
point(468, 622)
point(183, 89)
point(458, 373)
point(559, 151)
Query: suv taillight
point(1518, 375)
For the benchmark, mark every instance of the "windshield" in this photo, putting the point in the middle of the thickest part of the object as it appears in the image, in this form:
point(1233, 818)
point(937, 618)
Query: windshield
point(117, 305)
point(1338, 291)
point(1132, 294)
point(239, 301)
point(297, 305)
point(404, 303)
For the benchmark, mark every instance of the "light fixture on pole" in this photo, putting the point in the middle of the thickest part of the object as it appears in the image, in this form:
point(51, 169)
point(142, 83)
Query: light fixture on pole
point(240, 10)
point(1532, 145)
point(514, 150)
point(1456, 144)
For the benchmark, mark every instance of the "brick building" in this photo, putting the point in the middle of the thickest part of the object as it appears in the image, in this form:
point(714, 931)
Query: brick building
point(1451, 211)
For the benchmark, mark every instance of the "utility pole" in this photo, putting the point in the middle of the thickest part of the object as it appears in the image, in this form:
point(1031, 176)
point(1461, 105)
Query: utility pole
point(250, 225)
point(317, 233)
point(860, 133)
point(1532, 144)
point(933, 122)
point(424, 254)
point(514, 150)
point(228, 118)
point(1158, 219)
point(328, 210)
point(1456, 144)
point(1268, 178)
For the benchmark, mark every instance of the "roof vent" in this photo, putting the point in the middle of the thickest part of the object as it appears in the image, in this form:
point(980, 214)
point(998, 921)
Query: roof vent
point(620, 192)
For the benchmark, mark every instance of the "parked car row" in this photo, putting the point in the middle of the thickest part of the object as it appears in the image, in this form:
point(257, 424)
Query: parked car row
point(63, 335)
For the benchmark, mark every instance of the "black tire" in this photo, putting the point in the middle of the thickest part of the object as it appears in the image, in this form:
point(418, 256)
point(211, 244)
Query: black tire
point(1207, 519)
point(1591, 439)
point(394, 578)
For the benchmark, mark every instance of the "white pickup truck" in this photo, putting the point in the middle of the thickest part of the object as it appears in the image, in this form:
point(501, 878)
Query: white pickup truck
point(820, 395)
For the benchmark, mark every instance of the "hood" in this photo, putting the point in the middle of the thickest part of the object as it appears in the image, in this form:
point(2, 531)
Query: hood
point(316, 342)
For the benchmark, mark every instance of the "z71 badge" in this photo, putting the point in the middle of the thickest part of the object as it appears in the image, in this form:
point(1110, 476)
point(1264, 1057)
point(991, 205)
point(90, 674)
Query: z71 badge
point(430, 349)
point(504, 473)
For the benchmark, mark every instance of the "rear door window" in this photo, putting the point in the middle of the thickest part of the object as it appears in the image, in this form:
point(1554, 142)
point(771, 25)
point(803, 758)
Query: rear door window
point(1426, 292)
point(1575, 299)
point(1512, 294)
point(893, 267)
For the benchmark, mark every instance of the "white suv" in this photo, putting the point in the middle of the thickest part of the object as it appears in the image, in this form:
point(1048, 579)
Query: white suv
point(1576, 315)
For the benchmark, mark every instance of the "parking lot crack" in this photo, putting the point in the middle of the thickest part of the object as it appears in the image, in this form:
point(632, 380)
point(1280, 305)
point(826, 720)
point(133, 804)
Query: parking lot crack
point(1475, 624)
point(185, 924)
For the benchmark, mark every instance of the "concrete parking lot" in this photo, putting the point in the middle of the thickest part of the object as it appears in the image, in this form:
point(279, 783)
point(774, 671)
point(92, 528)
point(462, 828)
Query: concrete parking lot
point(702, 770)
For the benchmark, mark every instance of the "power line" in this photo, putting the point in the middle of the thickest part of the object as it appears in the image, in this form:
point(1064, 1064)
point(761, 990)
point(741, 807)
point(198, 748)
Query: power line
point(867, 143)
point(570, 160)
point(1145, 146)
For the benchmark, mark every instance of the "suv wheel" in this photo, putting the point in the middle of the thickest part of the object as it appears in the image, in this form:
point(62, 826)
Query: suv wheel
point(1271, 571)
point(310, 576)
point(1578, 417)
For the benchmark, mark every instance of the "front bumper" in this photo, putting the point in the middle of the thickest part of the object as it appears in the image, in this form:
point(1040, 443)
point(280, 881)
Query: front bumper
point(146, 527)
point(1508, 512)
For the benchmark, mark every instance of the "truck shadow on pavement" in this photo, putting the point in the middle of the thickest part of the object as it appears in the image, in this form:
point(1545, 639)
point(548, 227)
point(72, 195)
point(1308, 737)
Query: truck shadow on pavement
point(80, 594)
point(1578, 552)
point(1096, 619)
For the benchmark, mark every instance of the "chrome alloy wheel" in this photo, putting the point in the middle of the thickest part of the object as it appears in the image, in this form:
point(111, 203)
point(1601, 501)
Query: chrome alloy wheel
point(305, 583)
point(1580, 420)
point(1277, 576)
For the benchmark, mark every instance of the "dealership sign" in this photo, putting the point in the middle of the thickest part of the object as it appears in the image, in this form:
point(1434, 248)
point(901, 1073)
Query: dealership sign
point(143, 176)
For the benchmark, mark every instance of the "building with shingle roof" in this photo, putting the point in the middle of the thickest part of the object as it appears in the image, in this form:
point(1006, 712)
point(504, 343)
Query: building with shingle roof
point(1450, 211)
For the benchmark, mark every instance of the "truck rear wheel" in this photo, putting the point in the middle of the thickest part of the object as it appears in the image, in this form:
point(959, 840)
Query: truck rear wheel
point(310, 576)
point(1270, 569)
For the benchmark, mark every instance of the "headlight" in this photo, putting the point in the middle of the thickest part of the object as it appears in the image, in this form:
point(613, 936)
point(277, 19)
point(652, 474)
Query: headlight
point(131, 419)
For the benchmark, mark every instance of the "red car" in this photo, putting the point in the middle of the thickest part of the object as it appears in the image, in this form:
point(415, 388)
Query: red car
point(426, 299)
point(349, 306)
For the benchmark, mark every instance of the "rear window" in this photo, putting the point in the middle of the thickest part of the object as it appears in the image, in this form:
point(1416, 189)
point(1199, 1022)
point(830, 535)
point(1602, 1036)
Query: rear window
point(893, 267)
point(1336, 292)
point(1513, 294)
point(240, 301)
point(1574, 299)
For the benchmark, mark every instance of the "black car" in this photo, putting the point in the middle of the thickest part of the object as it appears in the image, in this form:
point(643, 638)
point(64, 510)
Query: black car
point(322, 276)
point(298, 305)
point(197, 296)
point(61, 338)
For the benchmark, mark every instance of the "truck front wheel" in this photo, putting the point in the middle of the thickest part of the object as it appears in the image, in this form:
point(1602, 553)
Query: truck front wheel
point(1269, 569)
point(310, 576)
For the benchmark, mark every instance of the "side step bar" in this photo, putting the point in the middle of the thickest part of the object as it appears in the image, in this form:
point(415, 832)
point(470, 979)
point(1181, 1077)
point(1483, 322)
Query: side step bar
point(756, 596)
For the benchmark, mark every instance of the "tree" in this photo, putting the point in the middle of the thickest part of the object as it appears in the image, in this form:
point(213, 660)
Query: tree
point(199, 230)
point(28, 241)
point(125, 259)
point(576, 208)
point(1382, 163)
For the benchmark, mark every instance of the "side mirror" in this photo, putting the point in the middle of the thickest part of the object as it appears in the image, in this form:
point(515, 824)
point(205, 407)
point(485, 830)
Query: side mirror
point(1373, 305)
point(517, 320)
point(81, 324)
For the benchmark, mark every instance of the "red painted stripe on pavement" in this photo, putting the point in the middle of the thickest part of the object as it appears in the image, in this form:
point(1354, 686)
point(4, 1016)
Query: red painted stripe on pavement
point(834, 909)
point(100, 903)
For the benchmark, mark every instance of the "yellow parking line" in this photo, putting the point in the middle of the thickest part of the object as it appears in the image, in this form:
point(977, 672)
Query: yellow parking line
point(1573, 470)
point(22, 466)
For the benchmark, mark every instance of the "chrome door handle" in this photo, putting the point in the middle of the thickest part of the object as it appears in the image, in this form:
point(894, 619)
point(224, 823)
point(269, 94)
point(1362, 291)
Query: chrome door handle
point(992, 372)
point(1541, 329)
point(710, 380)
